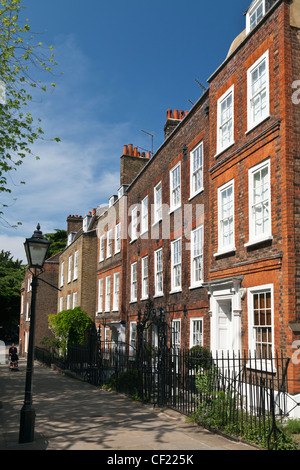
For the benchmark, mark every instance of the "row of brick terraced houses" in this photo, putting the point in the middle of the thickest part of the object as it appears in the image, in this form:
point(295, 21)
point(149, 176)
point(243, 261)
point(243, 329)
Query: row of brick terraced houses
point(209, 226)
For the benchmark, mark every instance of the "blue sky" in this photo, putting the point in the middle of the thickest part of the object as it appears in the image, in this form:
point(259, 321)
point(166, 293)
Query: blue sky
point(124, 64)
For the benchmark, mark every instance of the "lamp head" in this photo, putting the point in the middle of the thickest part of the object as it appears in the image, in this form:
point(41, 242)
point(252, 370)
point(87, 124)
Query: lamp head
point(36, 249)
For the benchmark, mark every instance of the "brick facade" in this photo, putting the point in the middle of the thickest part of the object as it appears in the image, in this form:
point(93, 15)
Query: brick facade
point(77, 272)
point(46, 302)
point(232, 165)
point(188, 303)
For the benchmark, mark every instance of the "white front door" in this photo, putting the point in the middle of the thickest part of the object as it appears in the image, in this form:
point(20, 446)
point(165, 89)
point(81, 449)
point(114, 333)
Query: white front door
point(224, 325)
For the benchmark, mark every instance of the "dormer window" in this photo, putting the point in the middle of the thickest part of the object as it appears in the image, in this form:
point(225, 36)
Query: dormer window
point(254, 14)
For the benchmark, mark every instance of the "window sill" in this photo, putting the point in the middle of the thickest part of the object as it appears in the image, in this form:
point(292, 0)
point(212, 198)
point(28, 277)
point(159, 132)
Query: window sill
point(175, 291)
point(144, 298)
point(156, 222)
point(219, 152)
point(133, 301)
point(225, 252)
point(196, 193)
point(174, 209)
point(133, 240)
point(258, 241)
point(143, 233)
point(158, 295)
point(196, 286)
point(256, 124)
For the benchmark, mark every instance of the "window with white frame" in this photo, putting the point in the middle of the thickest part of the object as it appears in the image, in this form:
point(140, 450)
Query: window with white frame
point(75, 274)
point(133, 296)
point(107, 293)
point(118, 238)
point(116, 292)
point(145, 214)
point(22, 303)
point(134, 224)
point(132, 338)
point(196, 332)
point(109, 244)
point(254, 14)
point(157, 202)
point(226, 240)
point(106, 342)
point(158, 272)
point(197, 256)
point(225, 120)
point(29, 285)
point(70, 268)
point(196, 170)
point(258, 107)
point(61, 301)
point(100, 295)
point(68, 301)
point(62, 278)
point(260, 202)
point(102, 247)
point(28, 308)
point(74, 299)
point(261, 319)
point(175, 187)
point(176, 334)
point(145, 277)
point(27, 316)
point(176, 265)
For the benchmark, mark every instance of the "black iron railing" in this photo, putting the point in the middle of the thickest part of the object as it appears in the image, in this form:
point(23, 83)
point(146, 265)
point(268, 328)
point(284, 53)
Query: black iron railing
point(238, 394)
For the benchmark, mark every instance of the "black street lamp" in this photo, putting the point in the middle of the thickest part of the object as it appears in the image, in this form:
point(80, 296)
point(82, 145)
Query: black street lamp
point(36, 249)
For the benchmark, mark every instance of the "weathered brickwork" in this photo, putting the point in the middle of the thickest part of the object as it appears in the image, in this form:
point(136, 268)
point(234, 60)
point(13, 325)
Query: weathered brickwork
point(176, 149)
point(78, 285)
point(248, 206)
point(46, 301)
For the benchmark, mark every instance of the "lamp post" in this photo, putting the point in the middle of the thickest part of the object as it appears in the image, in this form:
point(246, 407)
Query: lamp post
point(36, 249)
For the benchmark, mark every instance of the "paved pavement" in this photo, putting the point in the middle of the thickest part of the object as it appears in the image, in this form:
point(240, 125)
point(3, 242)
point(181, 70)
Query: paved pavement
point(74, 415)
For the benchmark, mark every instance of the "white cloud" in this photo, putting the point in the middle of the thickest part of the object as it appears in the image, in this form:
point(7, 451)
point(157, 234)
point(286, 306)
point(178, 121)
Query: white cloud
point(75, 175)
point(15, 245)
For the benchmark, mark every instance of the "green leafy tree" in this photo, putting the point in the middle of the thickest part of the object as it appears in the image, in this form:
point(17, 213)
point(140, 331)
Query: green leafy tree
point(70, 326)
point(21, 57)
point(58, 241)
point(11, 276)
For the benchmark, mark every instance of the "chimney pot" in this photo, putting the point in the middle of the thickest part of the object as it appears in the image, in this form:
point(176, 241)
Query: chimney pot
point(125, 150)
point(148, 154)
point(135, 152)
point(175, 114)
point(169, 114)
point(130, 149)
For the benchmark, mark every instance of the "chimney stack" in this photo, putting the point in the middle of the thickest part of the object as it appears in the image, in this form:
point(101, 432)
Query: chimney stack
point(132, 162)
point(173, 119)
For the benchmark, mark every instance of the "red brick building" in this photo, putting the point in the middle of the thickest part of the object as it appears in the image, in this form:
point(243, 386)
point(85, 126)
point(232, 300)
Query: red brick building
point(111, 252)
point(165, 218)
point(46, 303)
point(209, 228)
point(235, 287)
point(253, 205)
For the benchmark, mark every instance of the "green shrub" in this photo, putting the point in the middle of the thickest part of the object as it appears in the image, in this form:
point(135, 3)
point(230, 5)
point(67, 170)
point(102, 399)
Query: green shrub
point(199, 356)
point(126, 382)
